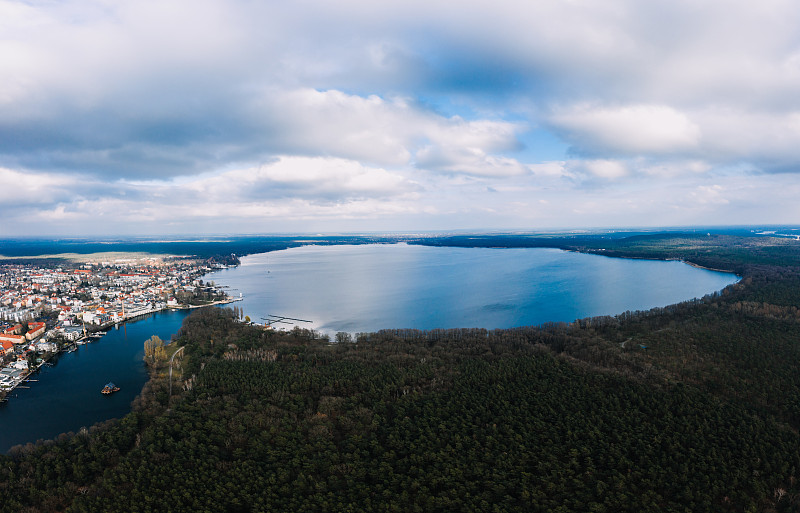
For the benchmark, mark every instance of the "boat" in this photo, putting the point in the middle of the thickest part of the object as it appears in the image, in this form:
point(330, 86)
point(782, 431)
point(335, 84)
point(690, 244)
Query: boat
point(109, 389)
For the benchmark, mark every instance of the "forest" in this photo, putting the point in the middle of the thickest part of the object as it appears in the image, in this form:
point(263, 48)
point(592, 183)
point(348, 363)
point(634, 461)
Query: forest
point(690, 407)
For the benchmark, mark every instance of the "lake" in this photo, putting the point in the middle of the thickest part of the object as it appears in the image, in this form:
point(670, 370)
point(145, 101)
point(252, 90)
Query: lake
point(67, 394)
point(362, 288)
point(355, 289)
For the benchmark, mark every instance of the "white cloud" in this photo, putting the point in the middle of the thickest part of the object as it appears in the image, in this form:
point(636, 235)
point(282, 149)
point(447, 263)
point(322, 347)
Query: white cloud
point(670, 168)
point(634, 129)
point(25, 188)
point(312, 178)
point(549, 169)
point(599, 168)
point(385, 132)
point(709, 194)
point(764, 138)
point(466, 160)
point(372, 110)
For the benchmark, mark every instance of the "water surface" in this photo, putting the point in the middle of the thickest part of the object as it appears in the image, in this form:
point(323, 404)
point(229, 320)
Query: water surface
point(67, 394)
point(354, 289)
point(364, 288)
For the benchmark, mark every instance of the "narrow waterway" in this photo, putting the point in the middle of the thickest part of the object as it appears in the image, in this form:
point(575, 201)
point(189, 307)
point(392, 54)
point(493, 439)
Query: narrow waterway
point(67, 394)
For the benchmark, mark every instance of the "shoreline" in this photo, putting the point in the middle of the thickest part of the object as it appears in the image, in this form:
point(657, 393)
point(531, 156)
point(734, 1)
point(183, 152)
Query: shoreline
point(228, 300)
point(6, 391)
point(213, 303)
point(74, 381)
point(698, 266)
point(719, 279)
point(586, 251)
point(26, 377)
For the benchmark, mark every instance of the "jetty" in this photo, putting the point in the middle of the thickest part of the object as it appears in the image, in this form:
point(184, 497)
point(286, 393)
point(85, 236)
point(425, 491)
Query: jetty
point(12, 377)
point(271, 319)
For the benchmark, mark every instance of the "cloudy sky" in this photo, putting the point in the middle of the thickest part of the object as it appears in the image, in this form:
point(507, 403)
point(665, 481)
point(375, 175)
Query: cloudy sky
point(229, 116)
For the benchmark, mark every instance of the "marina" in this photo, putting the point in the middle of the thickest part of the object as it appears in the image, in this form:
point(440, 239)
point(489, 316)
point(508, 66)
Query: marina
point(13, 376)
point(64, 396)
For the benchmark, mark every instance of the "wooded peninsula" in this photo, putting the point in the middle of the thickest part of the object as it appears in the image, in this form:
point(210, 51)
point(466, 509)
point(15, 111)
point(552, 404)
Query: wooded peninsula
point(689, 407)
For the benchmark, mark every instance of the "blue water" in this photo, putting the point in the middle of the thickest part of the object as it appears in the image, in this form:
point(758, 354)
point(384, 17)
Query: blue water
point(371, 287)
point(67, 395)
point(355, 289)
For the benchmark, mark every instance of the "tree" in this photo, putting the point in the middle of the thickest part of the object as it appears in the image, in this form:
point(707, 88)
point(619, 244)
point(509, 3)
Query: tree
point(31, 359)
point(154, 350)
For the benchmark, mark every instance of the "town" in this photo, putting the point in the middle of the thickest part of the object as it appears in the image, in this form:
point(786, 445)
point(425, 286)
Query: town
point(46, 309)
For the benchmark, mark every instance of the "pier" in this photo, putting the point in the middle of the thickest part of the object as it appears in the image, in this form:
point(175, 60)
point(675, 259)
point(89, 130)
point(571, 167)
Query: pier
point(281, 319)
point(23, 377)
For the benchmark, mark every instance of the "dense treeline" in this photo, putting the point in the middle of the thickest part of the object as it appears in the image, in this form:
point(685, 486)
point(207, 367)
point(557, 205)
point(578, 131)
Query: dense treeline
point(527, 433)
point(713, 250)
point(217, 249)
point(690, 407)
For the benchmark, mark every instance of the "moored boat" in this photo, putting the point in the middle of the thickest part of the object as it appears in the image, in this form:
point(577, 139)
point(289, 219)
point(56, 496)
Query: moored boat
point(110, 388)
